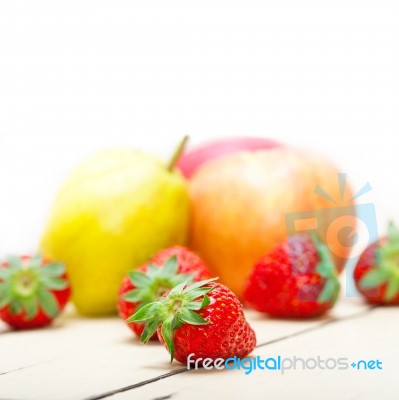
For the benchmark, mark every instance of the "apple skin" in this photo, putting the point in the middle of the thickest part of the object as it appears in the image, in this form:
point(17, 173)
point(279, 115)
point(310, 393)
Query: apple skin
point(190, 161)
point(239, 205)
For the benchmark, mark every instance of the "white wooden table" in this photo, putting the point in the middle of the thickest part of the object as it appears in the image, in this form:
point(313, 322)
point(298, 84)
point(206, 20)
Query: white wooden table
point(81, 358)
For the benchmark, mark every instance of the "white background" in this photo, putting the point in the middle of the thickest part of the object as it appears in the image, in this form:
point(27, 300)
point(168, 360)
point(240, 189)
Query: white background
point(79, 75)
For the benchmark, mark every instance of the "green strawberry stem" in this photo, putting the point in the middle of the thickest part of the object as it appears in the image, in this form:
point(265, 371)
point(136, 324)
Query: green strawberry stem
point(327, 270)
point(155, 282)
point(172, 311)
point(386, 269)
point(26, 285)
point(177, 154)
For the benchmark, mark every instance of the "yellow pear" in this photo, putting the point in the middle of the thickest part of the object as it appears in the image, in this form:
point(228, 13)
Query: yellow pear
point(115, 211)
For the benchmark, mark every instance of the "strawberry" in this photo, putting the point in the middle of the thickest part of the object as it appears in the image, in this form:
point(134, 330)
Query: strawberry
point(377, 271)
point(168, 268)
point(203, 319)
point(33, 291)
point(188, 262)
point(297, 279)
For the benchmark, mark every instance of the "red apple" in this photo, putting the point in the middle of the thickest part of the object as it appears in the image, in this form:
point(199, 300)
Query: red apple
point(189, 162)
point(240, 204)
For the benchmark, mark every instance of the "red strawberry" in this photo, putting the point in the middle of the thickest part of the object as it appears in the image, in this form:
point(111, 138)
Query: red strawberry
point(168, 268)
point(205, 319)
point(33, 291)
point(297, 279)
point(377, 270)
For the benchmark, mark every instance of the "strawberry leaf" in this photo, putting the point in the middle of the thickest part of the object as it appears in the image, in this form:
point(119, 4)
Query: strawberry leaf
point(194, 305)
point(191, 317)
point(373, 278)
point(36, 261)
point(48, 302)
point(393, 233)
point(177, 321)
point(133, 296)
point(181, 278)
point(170, 267)
point(392, 290)
point(153, 270)
point(14, 262)
point(326, 267)
point(199, 284)
point(3, 289)
point(16, 306)
point(205, 302)
point(5, 273)
point(139, 279)
point(53, 269)
point(146, 312)
point(54, 283)
point(178, 288)
point(194, 294)
point(5, 295)
point(329, 291)
point(167, 335)
point(149, 329)
point(31, 307)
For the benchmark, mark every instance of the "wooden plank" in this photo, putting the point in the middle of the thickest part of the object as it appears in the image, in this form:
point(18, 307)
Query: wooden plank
point(80, 358)
point(370, 336)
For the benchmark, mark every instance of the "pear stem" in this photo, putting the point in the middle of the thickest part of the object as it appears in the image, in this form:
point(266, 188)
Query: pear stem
point(178, 152)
